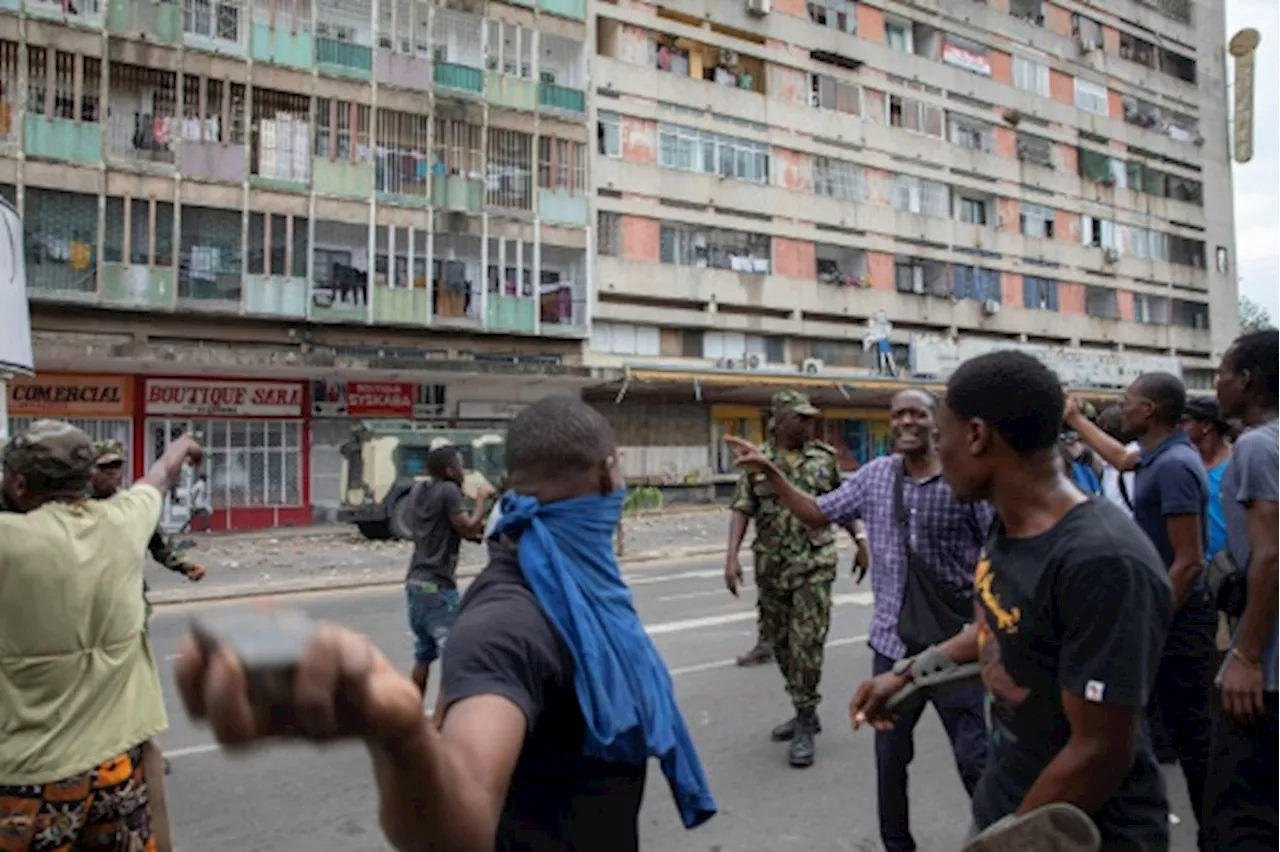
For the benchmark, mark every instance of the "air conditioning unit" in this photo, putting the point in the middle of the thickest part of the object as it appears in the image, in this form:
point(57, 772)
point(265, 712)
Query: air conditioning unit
point(728, 364)
point(991, 307)
point(812, 366)
point(754, 361)
point(1111, 255)
point(759, 7)
point(1086, 46)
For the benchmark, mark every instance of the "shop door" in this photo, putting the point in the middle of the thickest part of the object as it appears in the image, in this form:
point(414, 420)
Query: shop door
point(177, 509)
point(327, 438)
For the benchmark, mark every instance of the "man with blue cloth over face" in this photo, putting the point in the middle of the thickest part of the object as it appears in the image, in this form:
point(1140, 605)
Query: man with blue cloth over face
point(553, 697)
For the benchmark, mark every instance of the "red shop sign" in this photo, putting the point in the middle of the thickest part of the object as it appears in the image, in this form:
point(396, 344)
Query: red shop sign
point(380, 399)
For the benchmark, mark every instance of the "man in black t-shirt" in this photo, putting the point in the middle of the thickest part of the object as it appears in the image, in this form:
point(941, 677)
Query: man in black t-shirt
point(1071, 613)
point(439, 522)
point(510, 761)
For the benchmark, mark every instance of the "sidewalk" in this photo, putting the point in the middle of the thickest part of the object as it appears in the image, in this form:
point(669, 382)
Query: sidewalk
point(332, 557)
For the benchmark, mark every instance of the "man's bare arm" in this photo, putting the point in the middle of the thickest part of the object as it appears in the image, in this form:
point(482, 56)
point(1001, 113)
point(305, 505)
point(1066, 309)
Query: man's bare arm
point(1260, 602)
point(1187, 537)
point(168, 467)
point(1103, 444)
point(1092, 765)
point(738, 523)
point(443, 789)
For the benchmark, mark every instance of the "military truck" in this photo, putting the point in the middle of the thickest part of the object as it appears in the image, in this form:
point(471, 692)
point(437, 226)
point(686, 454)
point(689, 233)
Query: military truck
point(383, 460)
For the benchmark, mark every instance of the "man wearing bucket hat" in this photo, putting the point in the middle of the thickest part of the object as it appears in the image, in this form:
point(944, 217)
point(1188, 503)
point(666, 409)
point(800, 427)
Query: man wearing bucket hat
point(794, 565)
point(108, 474)
point(80, 697)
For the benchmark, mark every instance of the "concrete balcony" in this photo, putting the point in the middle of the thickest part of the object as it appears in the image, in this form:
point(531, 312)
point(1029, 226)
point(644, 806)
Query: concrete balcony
point(459, 78)
point(84, 13)
point(275, 296)
point(458, 192)
point(511, 313)
point(400, 305)
point(561, 208)
point(62, 139)
point(405, 72)
point(504, 90)
point(213, 161)
point(339, 177)
point(132, 285)
point(344, 59)
point(282, 46)
point(576, 9)
point(562, 98)
point(148, 20)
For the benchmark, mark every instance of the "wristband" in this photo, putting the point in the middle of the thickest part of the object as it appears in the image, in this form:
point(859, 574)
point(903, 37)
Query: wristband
point(1242, 658)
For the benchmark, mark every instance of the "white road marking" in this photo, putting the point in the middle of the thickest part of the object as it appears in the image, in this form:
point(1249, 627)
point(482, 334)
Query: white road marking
point(686, 596)
point(863, 598)
point(206, 748)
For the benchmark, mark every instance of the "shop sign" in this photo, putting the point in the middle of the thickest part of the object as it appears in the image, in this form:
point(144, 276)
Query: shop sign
point(937, 357)
point(231, 398)
point(953, 54)
point(380, 399)
point(72, 396)
point(330, 398)
point(489, 410)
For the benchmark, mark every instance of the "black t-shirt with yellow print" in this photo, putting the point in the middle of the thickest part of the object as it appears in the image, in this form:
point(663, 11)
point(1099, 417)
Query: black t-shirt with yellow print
point(1083, 608)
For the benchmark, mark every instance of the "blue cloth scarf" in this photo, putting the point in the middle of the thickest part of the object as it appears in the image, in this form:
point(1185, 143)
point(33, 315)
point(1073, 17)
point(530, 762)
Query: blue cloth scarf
point(623, 686)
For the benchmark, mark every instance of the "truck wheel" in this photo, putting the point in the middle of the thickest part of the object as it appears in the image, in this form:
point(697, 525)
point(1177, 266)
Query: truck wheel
point(400, 520)
point(374, 530)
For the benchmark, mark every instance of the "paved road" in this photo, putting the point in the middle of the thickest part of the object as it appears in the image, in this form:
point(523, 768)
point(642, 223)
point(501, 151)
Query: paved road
point(301, 799)
point(273, 561)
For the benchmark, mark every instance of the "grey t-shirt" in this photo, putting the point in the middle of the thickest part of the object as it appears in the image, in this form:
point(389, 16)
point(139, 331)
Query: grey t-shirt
point(435, 544)
point(1252, 475)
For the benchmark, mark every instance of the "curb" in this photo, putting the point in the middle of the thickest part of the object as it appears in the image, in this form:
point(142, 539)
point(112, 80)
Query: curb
point(179, 597)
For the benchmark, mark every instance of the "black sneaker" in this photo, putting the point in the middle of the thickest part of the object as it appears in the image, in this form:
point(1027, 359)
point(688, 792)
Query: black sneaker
point(786, 732)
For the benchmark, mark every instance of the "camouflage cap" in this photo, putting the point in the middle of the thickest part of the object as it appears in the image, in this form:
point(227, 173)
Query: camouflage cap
point(107, 452)
point(793, 400)
point(52, 455)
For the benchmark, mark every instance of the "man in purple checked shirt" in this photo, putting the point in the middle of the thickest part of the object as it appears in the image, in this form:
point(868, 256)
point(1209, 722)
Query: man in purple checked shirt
point(946, 538)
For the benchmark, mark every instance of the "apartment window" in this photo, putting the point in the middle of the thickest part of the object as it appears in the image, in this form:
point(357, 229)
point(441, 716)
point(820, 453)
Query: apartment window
point(1100, 302)
point(1030, 76)
point(1039, 294)
point(1087, 31)
point(973, 211)
point(1036, 221)
point(1091, 97)
point(562, 165)
point(827, 92)
point(1028, 10)
point(617, 338)
point(1190, 314)
point(1150, 310)
point(717, 248)
point(837, 14)
point(690, 149)
point(911, 114)
point(971, 282)
point(839, 179)
point(968, 133)
point(1186, 252)
point(718, 345)
point(1099, 233)
point(926, 197)
point(1221, 256)
point(609, 134)
point(1035, 149)
point(897, 34)
point(608, 233)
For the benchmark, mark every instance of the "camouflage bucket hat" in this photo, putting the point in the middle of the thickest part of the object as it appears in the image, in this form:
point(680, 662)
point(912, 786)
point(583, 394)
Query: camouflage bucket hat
point(793, 400)
point(107, 452)
point(51, 455)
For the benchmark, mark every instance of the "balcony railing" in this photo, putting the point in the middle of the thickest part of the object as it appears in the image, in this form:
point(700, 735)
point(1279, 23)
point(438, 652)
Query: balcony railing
point(461, 77)
point(344, 54)
point(562, 97)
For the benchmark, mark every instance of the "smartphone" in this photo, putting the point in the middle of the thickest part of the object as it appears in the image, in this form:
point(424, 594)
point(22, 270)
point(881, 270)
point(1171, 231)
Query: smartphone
point(269, 645)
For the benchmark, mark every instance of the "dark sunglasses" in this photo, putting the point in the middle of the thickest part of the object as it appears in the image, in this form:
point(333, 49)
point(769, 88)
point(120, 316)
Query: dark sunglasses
point(115, 465)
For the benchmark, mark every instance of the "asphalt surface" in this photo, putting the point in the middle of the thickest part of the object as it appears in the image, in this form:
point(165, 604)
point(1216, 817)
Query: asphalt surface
point(294, 798)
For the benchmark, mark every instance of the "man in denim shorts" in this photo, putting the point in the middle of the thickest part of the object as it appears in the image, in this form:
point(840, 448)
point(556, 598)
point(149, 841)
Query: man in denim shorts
point(440, 522)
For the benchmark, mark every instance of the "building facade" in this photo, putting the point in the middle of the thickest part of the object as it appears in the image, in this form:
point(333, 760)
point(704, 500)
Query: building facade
point(852, 196)
point(260, 220)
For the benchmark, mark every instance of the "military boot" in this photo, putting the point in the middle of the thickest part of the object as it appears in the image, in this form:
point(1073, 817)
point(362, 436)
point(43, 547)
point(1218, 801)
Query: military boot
point(801, 752)
point(757, 656)
point(786, 732)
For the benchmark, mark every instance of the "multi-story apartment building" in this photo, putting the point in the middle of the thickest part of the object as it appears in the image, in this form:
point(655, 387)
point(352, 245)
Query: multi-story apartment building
point(263, 219)
point(849, 196)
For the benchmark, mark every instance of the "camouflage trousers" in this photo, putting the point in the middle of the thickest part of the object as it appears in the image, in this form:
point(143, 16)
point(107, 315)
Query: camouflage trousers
point(795, 622)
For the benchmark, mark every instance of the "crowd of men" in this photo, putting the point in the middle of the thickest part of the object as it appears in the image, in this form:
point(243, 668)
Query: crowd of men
point(1093, 620)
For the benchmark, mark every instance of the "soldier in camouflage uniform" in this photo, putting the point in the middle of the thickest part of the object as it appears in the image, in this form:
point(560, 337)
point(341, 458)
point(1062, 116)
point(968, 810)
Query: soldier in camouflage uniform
point(108, 474)
point(794, 566)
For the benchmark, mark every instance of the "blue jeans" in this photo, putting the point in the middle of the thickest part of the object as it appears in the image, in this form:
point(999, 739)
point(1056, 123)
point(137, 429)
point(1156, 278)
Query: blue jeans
point(431, 614)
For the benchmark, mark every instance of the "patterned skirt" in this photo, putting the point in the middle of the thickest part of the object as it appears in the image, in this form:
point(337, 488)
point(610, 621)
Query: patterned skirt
point(106, 809)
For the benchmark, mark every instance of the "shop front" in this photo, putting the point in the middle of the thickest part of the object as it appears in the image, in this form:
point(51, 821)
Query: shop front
point(337, 406)
point(255, 439)
point(101, 405)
